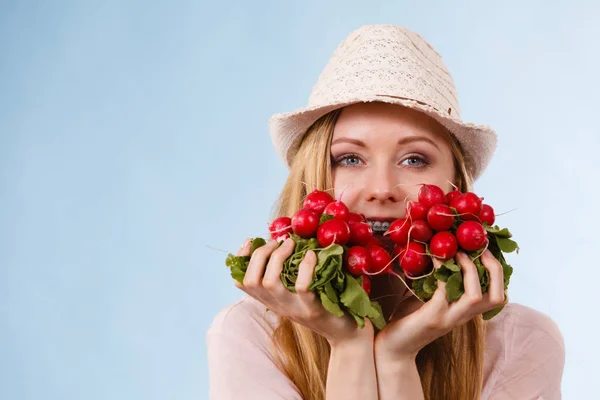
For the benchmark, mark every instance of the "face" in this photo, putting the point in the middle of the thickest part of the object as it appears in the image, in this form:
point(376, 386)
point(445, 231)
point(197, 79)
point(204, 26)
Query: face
point(382, 153)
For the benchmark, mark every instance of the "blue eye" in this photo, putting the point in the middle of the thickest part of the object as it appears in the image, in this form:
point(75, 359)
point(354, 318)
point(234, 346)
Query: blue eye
point(415, 162)
point(348, 160)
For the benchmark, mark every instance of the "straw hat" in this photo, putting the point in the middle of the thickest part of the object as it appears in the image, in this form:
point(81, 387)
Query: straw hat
point(390, 64)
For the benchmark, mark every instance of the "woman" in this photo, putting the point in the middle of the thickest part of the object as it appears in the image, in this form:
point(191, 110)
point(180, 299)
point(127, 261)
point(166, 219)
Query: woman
point(382, 119)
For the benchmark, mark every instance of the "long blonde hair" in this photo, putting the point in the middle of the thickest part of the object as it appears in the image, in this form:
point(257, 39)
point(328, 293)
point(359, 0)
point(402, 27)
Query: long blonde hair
point(451, 367)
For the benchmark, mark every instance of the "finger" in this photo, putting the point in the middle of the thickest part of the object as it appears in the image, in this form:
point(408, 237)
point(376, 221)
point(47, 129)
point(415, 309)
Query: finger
point(496, 284)
point(272, 279)
point(257, 264)
point(244, 250)
point(305, 277)
point(472, 296)
point(439, 298)
point(305, 272)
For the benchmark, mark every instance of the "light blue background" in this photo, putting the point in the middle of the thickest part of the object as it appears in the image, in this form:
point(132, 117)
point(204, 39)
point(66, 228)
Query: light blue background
point(133, 134)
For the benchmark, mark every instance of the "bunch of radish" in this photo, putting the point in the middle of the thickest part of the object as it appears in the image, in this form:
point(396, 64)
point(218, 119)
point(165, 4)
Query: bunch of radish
point(331, 222)
point(436, 226)
point(439, 225)
point(445, 222)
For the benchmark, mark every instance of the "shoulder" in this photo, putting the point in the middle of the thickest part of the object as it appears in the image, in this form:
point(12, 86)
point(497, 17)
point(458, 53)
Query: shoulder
point(245, 320)
point(517, 326)
point(525, 353)
point(240, 349)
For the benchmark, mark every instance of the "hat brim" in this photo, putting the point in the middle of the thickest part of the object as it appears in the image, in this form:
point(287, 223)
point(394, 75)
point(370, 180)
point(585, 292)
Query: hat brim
point(478, 141)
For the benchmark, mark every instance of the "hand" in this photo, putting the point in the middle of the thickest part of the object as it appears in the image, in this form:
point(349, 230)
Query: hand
point(263, 282)
point(403, 338)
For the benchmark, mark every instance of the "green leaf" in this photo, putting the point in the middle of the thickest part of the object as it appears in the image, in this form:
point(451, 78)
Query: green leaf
point(312, 244)
point(507, 245)
point(329, 262)
point(237, 261)
point(324, 218)
point(507, 270)
point(359, 320)
point(338, 281)
point(238, 266)
point(429, 285)
point(484, 275)
point(376, 315)
point(355, 298)
point(451, 265)
point(498, 232)
point(495, 250)
point(330, 292)
point(442, 273)
point(238, 275)
point(330, 306)
point(417, 286)
point(454, 287)
point(330, 251)
point(256, 243)
point(492, 313)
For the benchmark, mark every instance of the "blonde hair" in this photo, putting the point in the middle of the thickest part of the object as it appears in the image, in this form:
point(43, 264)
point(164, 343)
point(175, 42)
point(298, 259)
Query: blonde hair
point(451, 367)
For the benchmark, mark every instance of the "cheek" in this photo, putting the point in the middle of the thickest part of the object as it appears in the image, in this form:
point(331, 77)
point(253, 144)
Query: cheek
point(411, 183)
point(443, 178)
point(346, 185)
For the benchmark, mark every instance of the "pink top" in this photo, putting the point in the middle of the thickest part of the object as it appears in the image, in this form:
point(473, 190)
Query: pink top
point(525, 356)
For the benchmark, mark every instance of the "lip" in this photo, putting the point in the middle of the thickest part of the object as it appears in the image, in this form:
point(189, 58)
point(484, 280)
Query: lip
point(381, 219)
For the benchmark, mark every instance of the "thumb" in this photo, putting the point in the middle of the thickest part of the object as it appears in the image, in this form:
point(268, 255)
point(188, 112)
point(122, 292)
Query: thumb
point(245, 249)
point(436, 262)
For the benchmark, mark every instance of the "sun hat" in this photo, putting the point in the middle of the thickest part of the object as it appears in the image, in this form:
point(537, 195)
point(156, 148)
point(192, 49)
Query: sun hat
point(391, 64)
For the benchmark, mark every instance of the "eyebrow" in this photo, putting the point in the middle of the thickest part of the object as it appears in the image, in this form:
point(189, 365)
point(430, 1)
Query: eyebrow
point(403, 141)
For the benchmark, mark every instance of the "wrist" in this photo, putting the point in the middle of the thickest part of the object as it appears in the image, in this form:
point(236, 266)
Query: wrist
point(351, 344)
point(392, 359)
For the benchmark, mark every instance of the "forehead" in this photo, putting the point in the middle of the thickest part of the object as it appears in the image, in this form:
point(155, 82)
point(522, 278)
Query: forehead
point(370, 120)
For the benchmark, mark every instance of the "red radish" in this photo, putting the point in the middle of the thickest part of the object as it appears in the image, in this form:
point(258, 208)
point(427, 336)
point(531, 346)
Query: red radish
point(397, 250)
point(413, 259)
point(450, 196)
point(354, 217)
point(280, 228)
point(366, 284)
point(333, 231)
point(375, 241)
point(487, 214)
point(338, 210)
point(305, 223)
point(471, 236)
point(440, 217)
point(398, 231)
point(416, 211)
point(381, 261)
point(357, 260)
point(430, 195)
point(420, 231)
point(317, 201)
point(360, 233)
point(443, 245)
point(468, 206)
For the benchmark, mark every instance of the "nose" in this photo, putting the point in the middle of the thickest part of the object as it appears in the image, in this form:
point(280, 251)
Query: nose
point(382, 186)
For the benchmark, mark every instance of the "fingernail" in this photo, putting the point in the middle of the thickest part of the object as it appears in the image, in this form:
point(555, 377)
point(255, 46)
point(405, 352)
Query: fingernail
point(246, 243)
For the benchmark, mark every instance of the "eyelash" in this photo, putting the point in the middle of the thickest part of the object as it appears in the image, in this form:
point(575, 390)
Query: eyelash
point(338, 161)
